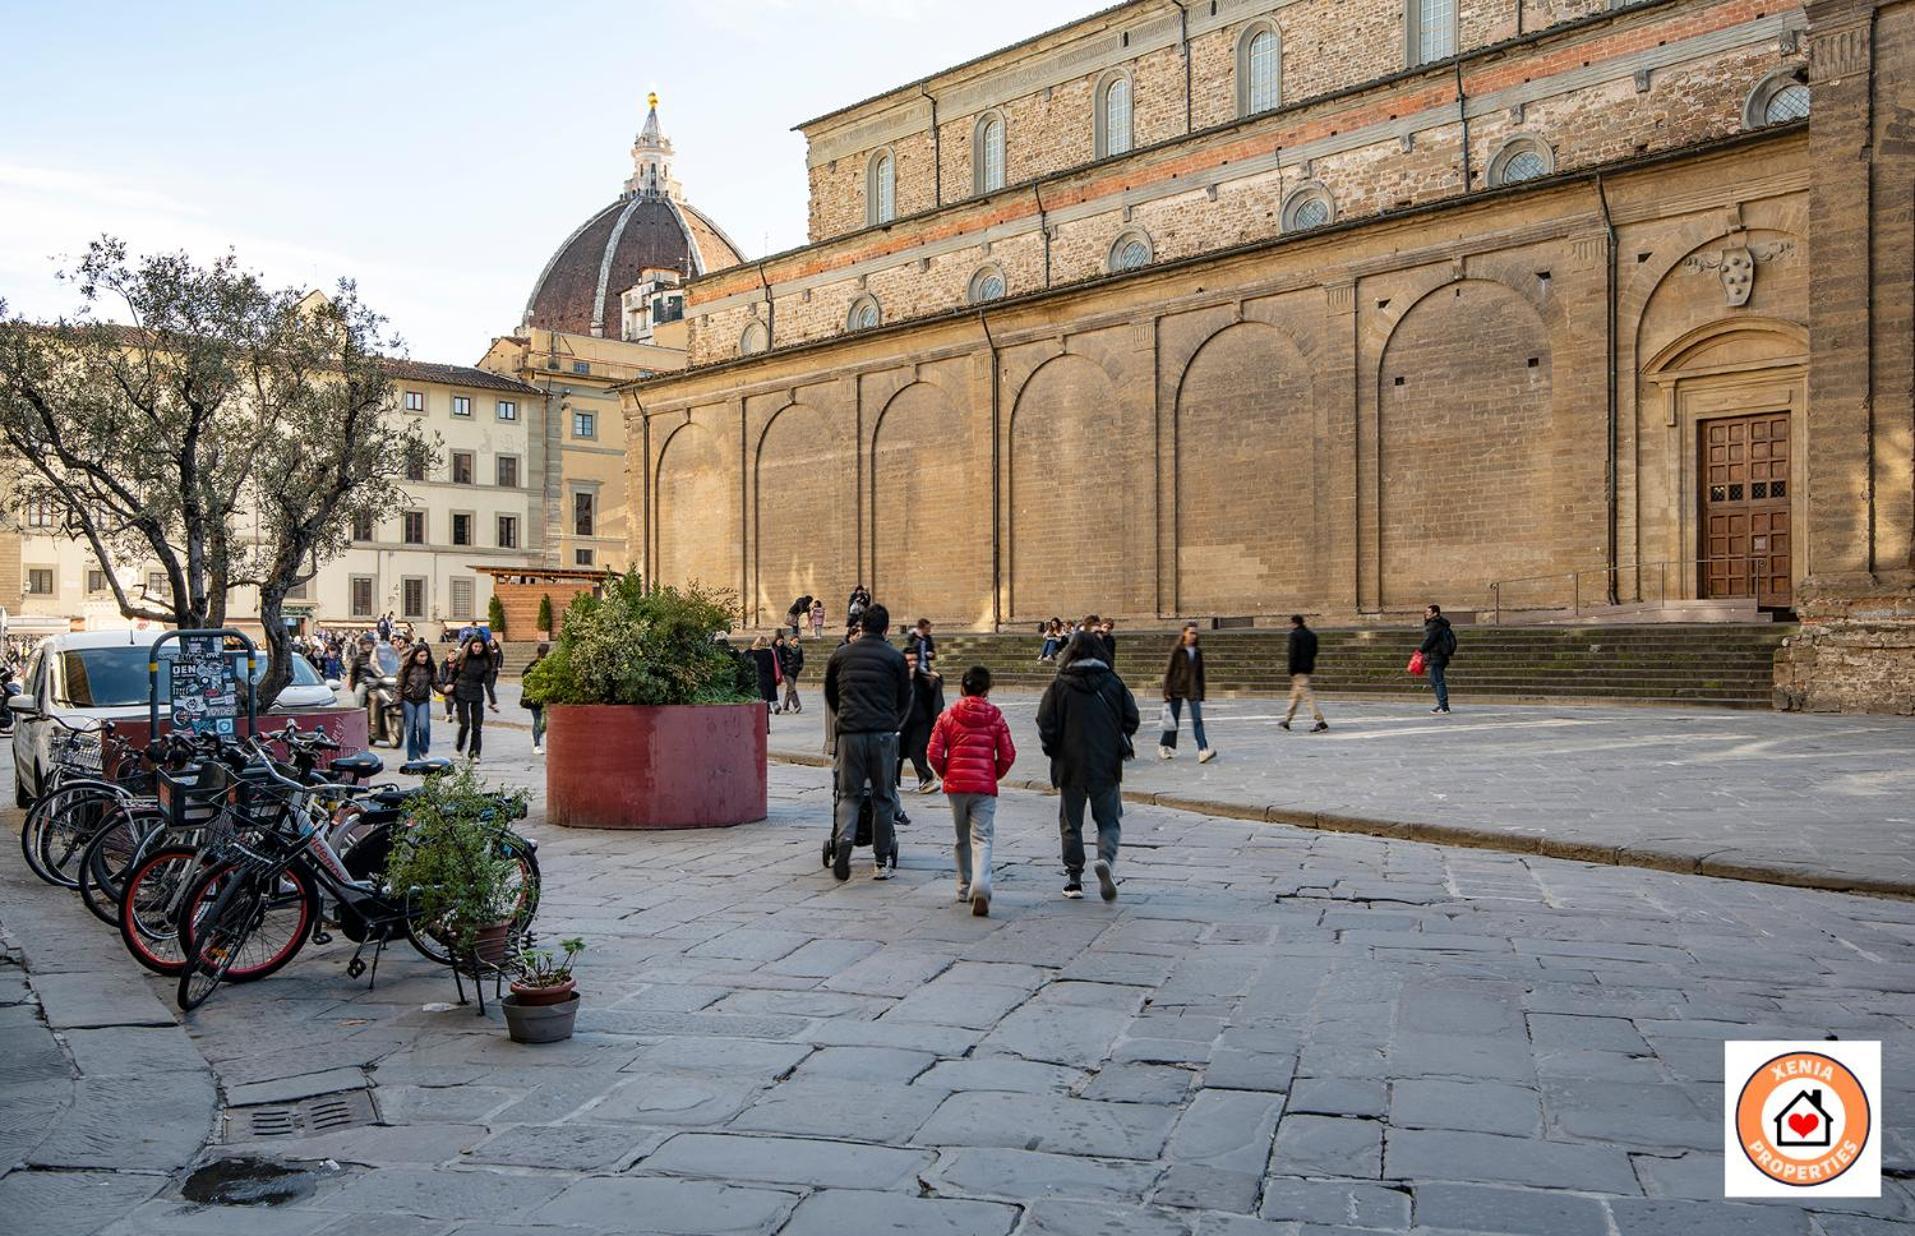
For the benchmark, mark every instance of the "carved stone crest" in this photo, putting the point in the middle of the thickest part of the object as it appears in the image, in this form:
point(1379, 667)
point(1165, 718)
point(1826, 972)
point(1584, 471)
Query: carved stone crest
point(1736, 267)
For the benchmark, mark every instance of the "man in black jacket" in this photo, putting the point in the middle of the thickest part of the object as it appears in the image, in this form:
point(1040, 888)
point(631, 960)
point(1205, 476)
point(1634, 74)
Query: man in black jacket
point(1084, 722)
point(867, 690)
point(1303, 663)
point(1438, 646)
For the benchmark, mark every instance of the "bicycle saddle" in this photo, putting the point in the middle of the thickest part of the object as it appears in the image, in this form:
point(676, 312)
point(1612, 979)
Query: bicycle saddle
point(360, 764)
point(424, 768)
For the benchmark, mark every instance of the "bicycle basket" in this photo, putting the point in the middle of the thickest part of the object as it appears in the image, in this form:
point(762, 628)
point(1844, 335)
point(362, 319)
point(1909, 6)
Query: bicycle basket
point(195, 797)
point(80, 753)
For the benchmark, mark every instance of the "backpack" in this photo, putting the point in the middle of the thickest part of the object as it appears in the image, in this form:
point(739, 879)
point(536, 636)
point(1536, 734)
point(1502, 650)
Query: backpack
point(1449, 642)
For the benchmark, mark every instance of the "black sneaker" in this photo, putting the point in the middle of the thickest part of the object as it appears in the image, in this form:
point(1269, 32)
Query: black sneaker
point(1283, 725)
point(841, 860)
point(1073, 889)
point(1319, 727)
point(1106, 886)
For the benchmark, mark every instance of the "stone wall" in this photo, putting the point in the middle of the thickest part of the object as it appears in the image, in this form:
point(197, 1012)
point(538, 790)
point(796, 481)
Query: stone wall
point(1349, 423)
point(1650, 78)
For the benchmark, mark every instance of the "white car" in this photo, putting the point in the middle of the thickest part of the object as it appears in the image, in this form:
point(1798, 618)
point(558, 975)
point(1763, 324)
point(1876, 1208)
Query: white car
point(85, 676)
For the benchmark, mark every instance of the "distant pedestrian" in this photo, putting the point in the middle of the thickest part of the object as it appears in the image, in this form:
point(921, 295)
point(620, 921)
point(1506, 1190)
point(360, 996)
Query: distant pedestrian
point(791, 661)
point(795, 616)
point(1107, 632)
point(469, 688)
point(1085, 722)
point(537, 710)
point(971, 750)
point(416, 681)
point(867, 688)
point(1184, 684)
point(1303, 663)
point(854, 607)
point(817, 619)
point(766, 662)
point(1438, 646)
point(449, 679)
point(927, 702)
point(1053, 633)
point(496, 652)
point(926, 647)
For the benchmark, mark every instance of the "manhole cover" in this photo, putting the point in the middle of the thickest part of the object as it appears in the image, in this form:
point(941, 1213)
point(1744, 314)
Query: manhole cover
point(248, 1182)
point(322, 1113)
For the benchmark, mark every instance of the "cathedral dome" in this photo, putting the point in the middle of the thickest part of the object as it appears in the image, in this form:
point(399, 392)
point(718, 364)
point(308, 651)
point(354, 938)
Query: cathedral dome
point(650, 226)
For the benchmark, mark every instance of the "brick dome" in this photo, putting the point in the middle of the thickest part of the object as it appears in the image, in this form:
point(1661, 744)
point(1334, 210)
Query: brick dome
point(649, 226)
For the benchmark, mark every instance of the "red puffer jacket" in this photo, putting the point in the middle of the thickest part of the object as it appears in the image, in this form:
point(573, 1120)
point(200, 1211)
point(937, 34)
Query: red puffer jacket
point(971, 747)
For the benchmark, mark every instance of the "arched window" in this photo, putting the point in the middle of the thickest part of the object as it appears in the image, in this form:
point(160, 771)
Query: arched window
point(755, 339)
point(1113, 115)
point(1521, 158)
point(1259, 69)
point(987, 153)
point(864, 314)
point(881, 189)
point(1431, 26)
point(1780, 97)
point(1309, 205)
point(987, 285)
point(1131, 251)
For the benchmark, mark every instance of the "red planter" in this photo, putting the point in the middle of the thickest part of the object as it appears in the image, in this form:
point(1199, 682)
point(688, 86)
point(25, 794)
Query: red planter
point(626, 766)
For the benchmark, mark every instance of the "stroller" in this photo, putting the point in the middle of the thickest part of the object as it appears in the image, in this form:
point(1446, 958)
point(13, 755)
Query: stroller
point(862, 837)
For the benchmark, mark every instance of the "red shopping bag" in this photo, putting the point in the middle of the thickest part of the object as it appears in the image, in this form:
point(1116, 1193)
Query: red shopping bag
point(1417, 665)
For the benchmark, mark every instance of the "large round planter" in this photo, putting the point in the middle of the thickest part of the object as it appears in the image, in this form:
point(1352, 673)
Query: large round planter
point(627, 766)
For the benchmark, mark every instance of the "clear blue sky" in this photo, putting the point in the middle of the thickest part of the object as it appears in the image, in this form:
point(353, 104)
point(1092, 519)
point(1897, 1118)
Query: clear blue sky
point(437, 152)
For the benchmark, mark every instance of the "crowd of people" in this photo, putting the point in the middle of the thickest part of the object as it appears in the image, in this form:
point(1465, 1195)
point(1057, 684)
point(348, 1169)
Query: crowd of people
point(884, 705)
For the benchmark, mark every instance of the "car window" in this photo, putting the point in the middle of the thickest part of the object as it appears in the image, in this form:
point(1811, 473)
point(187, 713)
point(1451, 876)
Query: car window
point(117, 677)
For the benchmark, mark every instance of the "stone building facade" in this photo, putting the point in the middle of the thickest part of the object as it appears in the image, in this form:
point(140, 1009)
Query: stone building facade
point(1338, 306)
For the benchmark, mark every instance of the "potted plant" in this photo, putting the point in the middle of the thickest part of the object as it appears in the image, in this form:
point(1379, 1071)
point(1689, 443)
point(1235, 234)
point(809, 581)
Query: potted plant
point(448, 861)
point(544, 1002)
point(495, 616)
point(544, 622)
point(652, 718)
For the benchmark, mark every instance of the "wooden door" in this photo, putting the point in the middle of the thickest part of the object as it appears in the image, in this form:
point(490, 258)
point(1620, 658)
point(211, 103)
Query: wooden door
point(1746, 546)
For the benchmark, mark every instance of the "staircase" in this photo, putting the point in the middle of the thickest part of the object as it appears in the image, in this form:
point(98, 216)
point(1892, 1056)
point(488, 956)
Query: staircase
point(1716, 664)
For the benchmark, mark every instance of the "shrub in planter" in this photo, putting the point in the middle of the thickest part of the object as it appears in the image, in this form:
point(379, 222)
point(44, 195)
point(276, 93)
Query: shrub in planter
point(447, 861)
point(495, 616)
point(652, 718)
point(544, 622)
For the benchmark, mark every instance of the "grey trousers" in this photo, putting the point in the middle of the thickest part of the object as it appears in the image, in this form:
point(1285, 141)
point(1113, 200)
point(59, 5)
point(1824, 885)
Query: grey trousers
point(975, 817)
point(868, 759)
point(1106, 808)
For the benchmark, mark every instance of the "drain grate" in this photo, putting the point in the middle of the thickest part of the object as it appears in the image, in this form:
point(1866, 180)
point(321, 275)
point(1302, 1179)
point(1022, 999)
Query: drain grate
point(323, 1113)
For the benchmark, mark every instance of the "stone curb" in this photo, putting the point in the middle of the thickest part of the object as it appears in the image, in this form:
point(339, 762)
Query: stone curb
point(1717, 865)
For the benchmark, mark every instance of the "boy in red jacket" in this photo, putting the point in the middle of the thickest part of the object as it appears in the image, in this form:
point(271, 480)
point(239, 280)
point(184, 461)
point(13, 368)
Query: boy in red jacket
point(971, 750)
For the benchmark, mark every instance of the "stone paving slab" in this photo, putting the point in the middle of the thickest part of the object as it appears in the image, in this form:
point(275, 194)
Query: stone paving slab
point(1784, 798)
point(1273, 1032)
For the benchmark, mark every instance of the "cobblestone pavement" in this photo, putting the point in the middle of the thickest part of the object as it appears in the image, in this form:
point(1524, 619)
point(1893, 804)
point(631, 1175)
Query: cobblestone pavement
point(1823, 801)
point(1273, 1031)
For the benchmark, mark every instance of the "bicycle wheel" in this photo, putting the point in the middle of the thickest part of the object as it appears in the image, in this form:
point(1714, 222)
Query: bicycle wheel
point(101, 872)
point(54, 822)
point(217, 922)
point(150, 907)
point(287, 903)
point(64, 837)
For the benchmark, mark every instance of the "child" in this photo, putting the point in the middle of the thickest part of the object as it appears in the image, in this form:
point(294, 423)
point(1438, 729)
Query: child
point(971, 750)
point(817, 619)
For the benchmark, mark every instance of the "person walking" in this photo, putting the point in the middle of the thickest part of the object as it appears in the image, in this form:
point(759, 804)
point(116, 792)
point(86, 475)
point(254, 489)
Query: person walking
point(1085, 722)
point(922, 644)
point(817, 618)
point(791, 661)
point(416, 680)
point(1438, 646)
point(765, 659)
point(927, 703)
point(1303, 663)
point(496, 651)
point(449, 680)
point(468, 689)
point(971, 750)
point(537, 710)
point(867, 688)
point(1184, 684)
point(1107, 632)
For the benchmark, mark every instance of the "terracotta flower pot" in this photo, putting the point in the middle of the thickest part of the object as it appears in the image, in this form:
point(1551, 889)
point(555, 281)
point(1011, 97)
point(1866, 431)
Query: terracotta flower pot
point(488, 943)
point(531, 996)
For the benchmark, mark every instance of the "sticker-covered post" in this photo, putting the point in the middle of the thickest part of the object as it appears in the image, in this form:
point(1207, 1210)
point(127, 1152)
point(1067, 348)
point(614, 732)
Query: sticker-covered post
point(203, 683)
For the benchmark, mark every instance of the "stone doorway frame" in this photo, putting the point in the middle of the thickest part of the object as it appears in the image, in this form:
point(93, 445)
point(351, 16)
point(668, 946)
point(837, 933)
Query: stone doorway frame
point(1692, 391)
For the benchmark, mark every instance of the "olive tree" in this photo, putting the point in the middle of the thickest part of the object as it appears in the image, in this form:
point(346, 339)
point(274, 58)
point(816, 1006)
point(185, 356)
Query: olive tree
point(191, 417)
